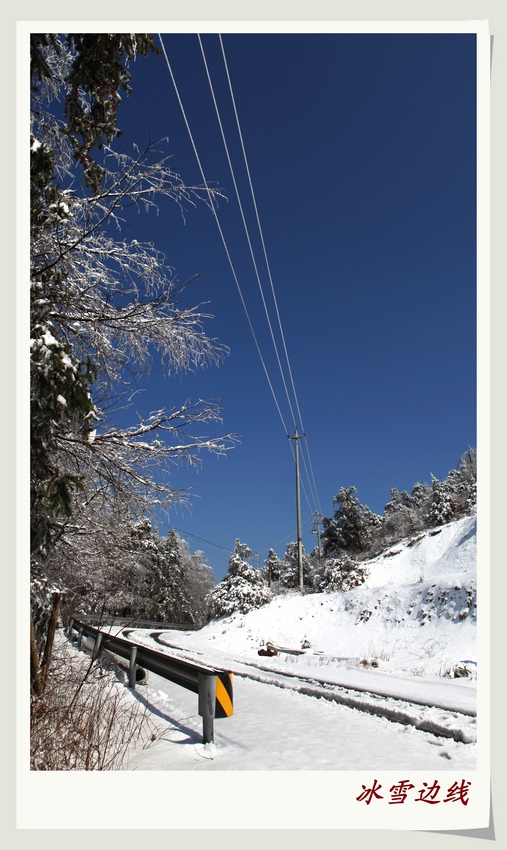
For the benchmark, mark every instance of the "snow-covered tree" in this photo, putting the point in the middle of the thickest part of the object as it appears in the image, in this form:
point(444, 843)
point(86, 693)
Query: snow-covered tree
point(442, 508)
point(341, 574)
point(353, 526)
point(199, 581)
point(242, 589)
point(94, 562)
point(102, 305)
point(289, 570)
point(406, 513)
point(456, 496)
point(354, 531)
point(164, 583)
point(462, 482)
point(273, 568)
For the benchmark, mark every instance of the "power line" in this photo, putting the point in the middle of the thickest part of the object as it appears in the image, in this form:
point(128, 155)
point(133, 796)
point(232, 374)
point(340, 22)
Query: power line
point(288, 537)
point(202, 540)
point(268, 268)
point(310, 478)
point(241, 205)
point(261, 234)
point(215, 214)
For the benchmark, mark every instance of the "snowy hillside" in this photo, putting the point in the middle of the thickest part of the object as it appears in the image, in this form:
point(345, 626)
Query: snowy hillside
point(414, 615)
point(393, 663)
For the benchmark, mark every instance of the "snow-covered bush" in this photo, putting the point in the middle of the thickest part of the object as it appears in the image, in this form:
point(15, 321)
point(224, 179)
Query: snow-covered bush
point(341, 574)
point(84, 720)
point(242, 589)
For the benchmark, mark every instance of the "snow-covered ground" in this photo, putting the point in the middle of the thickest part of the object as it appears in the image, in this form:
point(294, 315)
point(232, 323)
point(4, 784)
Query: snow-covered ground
point(415, 614)
point(313, 741)
point(403, 645)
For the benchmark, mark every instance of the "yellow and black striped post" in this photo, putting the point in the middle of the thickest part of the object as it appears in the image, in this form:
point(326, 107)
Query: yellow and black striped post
point(215, 700)
point(223, 699)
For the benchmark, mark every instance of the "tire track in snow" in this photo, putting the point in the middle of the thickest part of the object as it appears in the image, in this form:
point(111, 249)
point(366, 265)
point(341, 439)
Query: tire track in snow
point(441, 722)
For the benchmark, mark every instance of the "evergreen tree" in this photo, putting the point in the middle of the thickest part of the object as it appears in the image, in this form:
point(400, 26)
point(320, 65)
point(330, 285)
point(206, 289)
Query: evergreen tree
point(289, 572)
point(463, 483)
point(273, 568)
point(353, 527)
point(356, 532)
point(242, 589)
point(166, 582)
point(96, 75)
point(442, 509)
point(89, 70)
point(456, 496)
point(84, 343)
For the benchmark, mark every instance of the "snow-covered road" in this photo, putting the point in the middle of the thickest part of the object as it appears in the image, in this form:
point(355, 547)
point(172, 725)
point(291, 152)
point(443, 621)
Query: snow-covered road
point(275, 728)
point(445, 708)
point(318, 716)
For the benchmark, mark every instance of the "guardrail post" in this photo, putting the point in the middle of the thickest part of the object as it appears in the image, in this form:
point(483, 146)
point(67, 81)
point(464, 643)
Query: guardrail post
point(96, 645)
point(214, 688)
point(207, 696)
point(132, 668)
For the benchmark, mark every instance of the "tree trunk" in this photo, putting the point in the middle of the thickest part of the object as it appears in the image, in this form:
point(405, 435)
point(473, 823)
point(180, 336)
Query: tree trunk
point(50, 638)
point(35, 678)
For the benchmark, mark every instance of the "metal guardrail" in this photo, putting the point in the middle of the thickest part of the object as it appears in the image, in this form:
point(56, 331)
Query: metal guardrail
point(213, 687)
point(111, 620)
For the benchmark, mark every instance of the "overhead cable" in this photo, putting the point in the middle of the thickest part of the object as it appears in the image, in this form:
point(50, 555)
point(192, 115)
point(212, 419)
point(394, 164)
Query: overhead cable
point(202, 540)
point(247, 233)
point(212, 205)
point(215, 214)
point(266, 260)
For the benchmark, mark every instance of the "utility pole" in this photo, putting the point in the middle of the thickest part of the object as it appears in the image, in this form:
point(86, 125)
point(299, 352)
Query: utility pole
point(316, 522)
point(296, 439)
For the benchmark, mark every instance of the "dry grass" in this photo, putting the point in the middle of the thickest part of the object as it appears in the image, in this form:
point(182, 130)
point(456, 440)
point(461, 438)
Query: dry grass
point(85, 720)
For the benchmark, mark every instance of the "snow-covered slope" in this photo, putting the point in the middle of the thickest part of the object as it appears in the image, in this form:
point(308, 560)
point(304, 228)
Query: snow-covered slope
point(414, 615)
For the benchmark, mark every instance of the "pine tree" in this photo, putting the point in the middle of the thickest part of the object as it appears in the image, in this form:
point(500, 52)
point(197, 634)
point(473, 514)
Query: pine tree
point(353, 526)
point(165, 582)
point(274, 567)
point(88, 69)
point(463, 483)
point(289, 572)
point(442, 509)
point(96, 77)
point(242, 589)
point(456, 496)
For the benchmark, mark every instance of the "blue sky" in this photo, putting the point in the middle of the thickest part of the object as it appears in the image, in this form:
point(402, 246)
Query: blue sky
point(362, 154)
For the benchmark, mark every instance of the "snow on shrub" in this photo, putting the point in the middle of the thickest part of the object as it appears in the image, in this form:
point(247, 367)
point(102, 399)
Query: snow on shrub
point(341, 574)
point(242, 589)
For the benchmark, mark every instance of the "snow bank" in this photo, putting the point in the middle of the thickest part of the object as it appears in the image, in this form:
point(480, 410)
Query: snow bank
point(415, 614)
